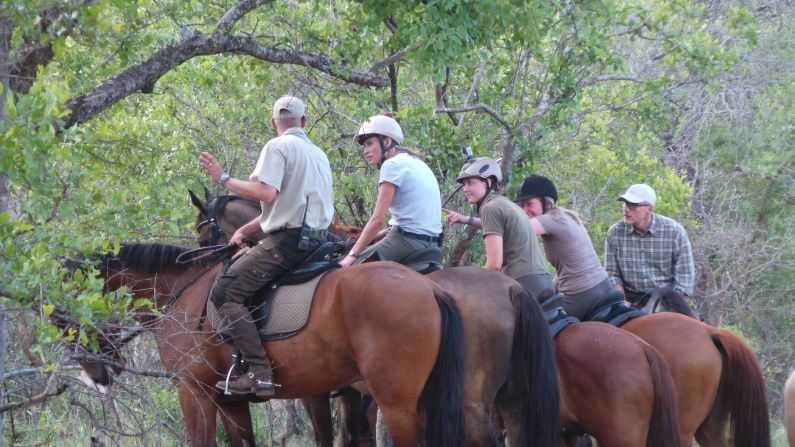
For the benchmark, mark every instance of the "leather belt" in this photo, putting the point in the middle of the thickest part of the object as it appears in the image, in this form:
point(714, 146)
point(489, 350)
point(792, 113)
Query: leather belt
point(314, 234)
point(422, 237)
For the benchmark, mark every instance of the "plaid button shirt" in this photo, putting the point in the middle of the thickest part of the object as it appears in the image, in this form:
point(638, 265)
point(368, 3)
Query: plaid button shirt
point(660, 258)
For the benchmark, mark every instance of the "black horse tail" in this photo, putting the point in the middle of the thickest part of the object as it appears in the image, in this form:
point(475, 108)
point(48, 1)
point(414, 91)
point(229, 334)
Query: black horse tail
point(531, 391)
point(663, 427)
point(444, 391)
point(742, 391)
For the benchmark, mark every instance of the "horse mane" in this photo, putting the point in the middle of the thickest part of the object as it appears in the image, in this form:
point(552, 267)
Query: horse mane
point(673, 301)
point(148, 258)
point(221, 201)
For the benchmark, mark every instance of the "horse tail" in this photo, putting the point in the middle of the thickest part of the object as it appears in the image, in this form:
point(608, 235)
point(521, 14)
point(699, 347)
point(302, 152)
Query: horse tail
point(744, 390)
point(532, 387)
point(663, 427)
point(444, 390)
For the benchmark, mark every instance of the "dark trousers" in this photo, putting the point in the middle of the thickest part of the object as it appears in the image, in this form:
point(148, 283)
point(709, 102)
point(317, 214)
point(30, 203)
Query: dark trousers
point(581, 304)
point(253, 270)
point(259, 266)
point(538, 286)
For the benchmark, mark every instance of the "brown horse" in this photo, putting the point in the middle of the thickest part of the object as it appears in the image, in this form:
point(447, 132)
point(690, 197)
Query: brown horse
point(613, 386)
point(596, 398)
point(716, 375)
point(717, 380)
point(399, 334)
point(789, 408)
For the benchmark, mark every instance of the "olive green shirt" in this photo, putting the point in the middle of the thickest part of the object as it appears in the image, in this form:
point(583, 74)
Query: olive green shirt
point(521, 252)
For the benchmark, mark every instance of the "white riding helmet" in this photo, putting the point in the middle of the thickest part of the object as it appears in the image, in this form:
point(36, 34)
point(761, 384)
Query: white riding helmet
point(379, 125)
point(481, 167)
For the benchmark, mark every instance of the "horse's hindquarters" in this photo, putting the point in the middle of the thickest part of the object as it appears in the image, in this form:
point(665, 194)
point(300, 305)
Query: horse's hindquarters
point(693, 359)
point(605, 383)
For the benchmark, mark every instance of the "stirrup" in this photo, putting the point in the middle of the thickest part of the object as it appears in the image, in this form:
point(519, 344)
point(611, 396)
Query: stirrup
point(229, 376)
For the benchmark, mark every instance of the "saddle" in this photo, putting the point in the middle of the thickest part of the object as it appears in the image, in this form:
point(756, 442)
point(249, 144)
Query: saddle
point(613, 310)
point(556, 316)
point(281, 309)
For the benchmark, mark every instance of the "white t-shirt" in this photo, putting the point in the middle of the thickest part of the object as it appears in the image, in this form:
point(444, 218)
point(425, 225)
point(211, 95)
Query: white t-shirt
point(417, 205)
point(298, 170)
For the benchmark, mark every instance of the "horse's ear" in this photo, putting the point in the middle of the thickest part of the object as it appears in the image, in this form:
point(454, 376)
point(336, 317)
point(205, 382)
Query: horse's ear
point(208, 196)
point(197, 202)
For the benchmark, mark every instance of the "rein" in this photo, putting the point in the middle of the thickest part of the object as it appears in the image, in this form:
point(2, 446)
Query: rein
point(174, 298)
point(191, 257)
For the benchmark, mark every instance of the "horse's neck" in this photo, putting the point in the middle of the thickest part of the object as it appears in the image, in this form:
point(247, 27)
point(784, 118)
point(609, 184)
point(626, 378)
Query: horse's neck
point(238, 213)
point(165, 288)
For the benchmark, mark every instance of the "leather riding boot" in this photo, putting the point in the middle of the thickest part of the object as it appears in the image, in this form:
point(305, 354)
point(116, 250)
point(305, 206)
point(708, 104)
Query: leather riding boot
point(259, 378)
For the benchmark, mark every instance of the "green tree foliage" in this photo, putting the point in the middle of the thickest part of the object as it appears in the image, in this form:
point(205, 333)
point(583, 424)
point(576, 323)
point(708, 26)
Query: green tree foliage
point(107, 104)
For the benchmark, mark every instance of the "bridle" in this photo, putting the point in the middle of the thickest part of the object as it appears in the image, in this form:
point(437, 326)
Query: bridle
point(215, 230)
point(216, 207)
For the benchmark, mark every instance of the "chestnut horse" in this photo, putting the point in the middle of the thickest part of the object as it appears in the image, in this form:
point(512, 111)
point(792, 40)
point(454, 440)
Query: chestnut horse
point(380, 323)
point(789, 408)
point(716, 375)
point(717, 379)
point(613, 386)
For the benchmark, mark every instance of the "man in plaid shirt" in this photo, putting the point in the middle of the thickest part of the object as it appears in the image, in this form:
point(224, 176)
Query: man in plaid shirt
point(646, 251)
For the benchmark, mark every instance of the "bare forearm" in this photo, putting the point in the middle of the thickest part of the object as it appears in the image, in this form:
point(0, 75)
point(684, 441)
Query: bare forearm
point(250, 190)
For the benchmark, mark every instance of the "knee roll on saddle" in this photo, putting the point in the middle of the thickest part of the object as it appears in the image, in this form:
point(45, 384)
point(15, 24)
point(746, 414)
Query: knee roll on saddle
point(613, 310)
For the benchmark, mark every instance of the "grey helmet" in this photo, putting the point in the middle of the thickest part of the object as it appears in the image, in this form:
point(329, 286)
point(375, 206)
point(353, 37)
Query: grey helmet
point(481, 167)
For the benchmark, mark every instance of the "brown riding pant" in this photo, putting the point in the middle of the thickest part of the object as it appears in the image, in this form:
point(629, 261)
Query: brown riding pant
point(259, 266)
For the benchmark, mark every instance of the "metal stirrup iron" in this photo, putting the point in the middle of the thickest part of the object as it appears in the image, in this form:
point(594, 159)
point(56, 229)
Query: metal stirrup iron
point(229, 376)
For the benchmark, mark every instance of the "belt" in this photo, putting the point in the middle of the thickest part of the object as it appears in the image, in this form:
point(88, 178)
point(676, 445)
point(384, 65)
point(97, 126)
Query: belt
point(422, 237)
point(314, 234)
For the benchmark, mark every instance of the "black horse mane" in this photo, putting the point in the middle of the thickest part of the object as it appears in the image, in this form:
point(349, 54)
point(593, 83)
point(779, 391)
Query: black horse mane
point(149, 258)
point(221, 201)
point(673, 301)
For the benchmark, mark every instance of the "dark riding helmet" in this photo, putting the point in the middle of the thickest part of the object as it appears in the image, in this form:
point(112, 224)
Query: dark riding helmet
point(537, 186)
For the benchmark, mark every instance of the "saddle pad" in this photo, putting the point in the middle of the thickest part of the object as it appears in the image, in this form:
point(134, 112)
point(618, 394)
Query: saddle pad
point(288, 311)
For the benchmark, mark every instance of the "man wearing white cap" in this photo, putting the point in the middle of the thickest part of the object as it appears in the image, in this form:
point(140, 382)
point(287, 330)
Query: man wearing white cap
point(646, 251)
point(293, 183)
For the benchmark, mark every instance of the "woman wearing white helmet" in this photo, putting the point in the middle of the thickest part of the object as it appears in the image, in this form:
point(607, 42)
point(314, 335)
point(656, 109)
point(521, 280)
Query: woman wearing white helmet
point(511, 246)
point(407, 189)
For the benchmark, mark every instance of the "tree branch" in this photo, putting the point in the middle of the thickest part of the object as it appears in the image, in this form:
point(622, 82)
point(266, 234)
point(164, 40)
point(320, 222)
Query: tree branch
point(37, 399)
point(395, 57)
point(120, 366)
point(478, 106)
point(143, 76)
point(236, 13)
point(441, 96)
point(609, 77)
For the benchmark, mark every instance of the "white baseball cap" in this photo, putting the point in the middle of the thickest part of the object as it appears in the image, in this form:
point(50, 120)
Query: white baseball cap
point(640, 193)
point(288, 107)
